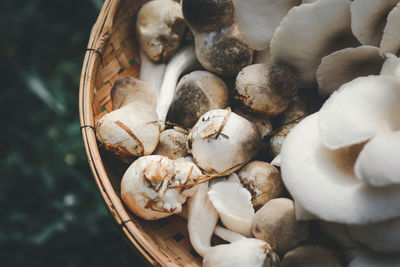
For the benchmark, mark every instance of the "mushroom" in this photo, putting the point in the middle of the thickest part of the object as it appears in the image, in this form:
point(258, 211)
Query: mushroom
point(276, 224)
point(391, 66)
point(172, 144)
point(345, 65)
point(391, 35)
point(262, 56)
point(296, 110)
point(262, 180)
point(147, 187)
point(383, 236)
point(233, 203)
point(184, 60)
point(197, 93)
point(216, 144)
point(131, 131)
point(265, 89)
point(276, 141)
point(219, 46)
point(151, 73)
point(368, 19)
point(262, 123)
point(317, 29)
point(126, 90)
point(373, 259)
point(160, 28)
point(328, 187)
point(250, 15)
point(310, 256)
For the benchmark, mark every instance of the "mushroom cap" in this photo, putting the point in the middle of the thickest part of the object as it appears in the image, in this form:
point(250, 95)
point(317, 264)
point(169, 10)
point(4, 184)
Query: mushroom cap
point(224, 52)
point(345, 65)
point(277, 140)
point(160, 28)
point(244, 252)
point(372, 259)
point(202, 219)
point(378, 162)
point(276, 224)
point(323, 182)
point(262, 122)
point(197, 93)
point(382, 236)
point(391, 66)
point(145, 186)
point(128, 89)
point(262, 180)
point(296, 110)
point(368, 19)
point(317, 29)
point(172, 144)
point(391, 35)
point(269, 13)
point(208, 15)
point(233, 203)
point(265, 89)
point(140, 119)
point(345, 122)
point(310, 256)
point(218, 146)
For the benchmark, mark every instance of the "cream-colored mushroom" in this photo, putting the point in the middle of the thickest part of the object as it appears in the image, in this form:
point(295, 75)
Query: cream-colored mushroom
point(391, 35)
point(151, 73)
point(345, 65)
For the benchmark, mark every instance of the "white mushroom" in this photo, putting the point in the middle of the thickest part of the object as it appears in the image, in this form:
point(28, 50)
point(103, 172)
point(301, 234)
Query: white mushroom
point(184, 60)
point(197, 93)
point(233, 203)
point(383, 236)
point(147, 187)
point(129, 131)
point(391, 66)
point(151, 73)
point(262, 180)
point(262, 122)
point(216, 144)
point(328, 187)
point(250, 15)
point(391, 34)
point(368, 19)
point(265, 89)
point(126, 90)
point(160, 28)
point(343, 123)
point(345, 65)
point(310, 32)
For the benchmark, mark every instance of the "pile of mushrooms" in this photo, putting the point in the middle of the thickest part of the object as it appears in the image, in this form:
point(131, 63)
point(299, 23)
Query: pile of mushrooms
point(219, 121)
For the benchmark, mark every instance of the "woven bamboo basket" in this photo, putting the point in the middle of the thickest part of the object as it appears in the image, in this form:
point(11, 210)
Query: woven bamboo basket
point(112, 52)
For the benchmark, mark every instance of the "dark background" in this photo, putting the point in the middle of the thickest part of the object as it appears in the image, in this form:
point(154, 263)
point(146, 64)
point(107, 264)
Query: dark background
point(51, 211)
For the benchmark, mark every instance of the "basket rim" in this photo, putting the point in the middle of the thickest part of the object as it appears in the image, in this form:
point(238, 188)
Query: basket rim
point(99, 36)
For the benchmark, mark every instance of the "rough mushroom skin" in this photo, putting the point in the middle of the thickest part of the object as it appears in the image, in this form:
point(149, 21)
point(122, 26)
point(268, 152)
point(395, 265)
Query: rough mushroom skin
point(172, 144)
point(129, 131)
point(262, 180)
point(208, 15)
point(265, 89)
point(160, 28)
point(218, 146)
point(310, 256)
point(223, 52)
point(197, 93)
point(276, 224)
point(128, 89)
point(147, 186)
point(296, 110)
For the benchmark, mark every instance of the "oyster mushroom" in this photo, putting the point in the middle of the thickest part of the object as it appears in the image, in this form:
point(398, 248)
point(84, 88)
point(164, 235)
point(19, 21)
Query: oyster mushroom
point(129, 131)
point(391, 35)
point(317, 29)
point(391, 66)
point(147, 186)
point(368, 19)
point(219, 46)
point(126, 90)
point(268, 13)
point(262, 180)
point(197, 93)
point(345, 65)
point(265, 89)
point(216, 144)
point(160, 28)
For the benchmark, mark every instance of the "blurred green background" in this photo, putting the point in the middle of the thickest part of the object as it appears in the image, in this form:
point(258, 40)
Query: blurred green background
point(51, 211)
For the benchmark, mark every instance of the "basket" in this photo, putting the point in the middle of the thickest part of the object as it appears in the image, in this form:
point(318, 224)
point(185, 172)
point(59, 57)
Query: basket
point(112, 53)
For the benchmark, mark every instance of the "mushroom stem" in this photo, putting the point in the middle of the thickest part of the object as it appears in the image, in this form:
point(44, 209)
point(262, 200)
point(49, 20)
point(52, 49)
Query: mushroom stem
point(227, 235)
point(181, 62)
point(151, 73)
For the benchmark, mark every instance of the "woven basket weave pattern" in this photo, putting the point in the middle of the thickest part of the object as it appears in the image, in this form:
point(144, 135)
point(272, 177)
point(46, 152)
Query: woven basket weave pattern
point(112, 53)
